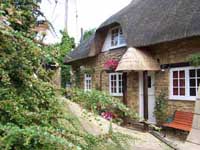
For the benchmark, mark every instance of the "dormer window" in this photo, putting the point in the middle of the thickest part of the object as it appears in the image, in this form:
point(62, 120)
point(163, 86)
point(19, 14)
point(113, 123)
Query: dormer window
point(117, 38)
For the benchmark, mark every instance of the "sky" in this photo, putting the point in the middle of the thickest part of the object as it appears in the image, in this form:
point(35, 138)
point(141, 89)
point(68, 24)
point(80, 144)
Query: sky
point(91, 13)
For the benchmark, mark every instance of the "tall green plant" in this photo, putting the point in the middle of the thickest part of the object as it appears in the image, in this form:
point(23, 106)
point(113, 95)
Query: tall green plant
point(160, 110)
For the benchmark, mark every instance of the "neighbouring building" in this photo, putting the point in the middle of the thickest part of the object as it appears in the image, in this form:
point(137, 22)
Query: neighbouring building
point(151, 40)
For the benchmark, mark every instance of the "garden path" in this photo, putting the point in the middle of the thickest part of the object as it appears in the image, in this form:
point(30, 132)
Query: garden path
point(97, 125)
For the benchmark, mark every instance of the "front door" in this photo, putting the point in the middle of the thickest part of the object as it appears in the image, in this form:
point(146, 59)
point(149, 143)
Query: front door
point(151, 96)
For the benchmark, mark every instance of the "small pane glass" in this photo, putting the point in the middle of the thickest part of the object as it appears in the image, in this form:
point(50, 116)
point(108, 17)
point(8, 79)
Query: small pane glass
point(175, 82)
point(192, 82)
point(198, 82)
point(175, 91)
point(182, 91)
point(149, 81)
point(192, 91)
point(192, 73)
point(175, 74)
point(182, 74)
point(182, 82)
point(198, 72)
point(111, 77)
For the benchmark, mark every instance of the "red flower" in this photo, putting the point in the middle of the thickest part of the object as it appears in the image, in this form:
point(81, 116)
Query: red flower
point(107, 115)
point(111, 64)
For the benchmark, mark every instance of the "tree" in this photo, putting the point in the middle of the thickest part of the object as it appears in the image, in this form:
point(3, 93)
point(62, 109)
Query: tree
point(58, 52)
point(88, 33)
point(30, 113)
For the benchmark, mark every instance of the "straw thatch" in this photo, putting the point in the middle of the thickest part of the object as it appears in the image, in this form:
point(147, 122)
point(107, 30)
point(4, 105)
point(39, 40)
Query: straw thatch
point(82, 51)
point(148, 22)
point(137, 60)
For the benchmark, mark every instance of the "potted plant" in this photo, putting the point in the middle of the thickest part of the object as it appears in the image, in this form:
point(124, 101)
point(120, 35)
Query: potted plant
point(110, 65)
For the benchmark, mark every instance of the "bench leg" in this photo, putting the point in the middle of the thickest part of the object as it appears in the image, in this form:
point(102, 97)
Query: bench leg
point(165, 131)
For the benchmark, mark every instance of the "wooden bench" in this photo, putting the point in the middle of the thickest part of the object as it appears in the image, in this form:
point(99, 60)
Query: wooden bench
point(181, 121)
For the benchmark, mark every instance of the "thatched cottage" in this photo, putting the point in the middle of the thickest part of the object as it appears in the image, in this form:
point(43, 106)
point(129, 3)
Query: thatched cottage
point(151, 40)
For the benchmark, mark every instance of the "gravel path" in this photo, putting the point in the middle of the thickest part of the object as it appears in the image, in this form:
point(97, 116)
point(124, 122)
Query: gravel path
point(96, 125)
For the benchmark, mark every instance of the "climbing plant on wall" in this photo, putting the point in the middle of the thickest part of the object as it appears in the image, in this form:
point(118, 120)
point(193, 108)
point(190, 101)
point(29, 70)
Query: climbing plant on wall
point(194, 59)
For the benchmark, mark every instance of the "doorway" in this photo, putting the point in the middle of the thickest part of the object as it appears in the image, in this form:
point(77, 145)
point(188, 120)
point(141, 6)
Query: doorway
point(151, 97)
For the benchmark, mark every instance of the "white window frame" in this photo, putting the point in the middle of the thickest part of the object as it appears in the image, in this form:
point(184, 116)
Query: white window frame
point(118, 38)
point(187, 96)
point(117, 85)
point(87, 82)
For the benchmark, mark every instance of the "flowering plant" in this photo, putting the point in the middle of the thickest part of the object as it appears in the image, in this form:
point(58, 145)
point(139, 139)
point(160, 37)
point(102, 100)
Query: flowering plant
point(107, 115)
point(111, 64)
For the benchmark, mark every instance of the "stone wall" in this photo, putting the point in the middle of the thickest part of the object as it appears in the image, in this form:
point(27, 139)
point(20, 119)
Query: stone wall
point(97, 64)
point(174, 52)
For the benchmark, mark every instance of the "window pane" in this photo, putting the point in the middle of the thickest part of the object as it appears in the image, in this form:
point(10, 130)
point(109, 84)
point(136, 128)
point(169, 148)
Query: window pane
point(175, 83)
point(192, 82)
point(175, 74)
point(192, 73)
point(198, 73)
point(121, 40)
point(182, 91)
point(192, 91)
point(182, 82)
point(111, 77)
point(114, 40)
point(182, 74)
point(175, 91)
point(149, 81)
point(198, 82)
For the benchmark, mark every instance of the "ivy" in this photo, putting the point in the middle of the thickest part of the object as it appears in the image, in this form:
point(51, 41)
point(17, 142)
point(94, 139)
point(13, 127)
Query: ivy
point(194, 59)
point(160, 110)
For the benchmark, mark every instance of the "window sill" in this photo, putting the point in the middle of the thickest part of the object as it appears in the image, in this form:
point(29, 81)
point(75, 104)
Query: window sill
point(183, 98)
point(116, 95)
point(114, 48)
point(118, 46)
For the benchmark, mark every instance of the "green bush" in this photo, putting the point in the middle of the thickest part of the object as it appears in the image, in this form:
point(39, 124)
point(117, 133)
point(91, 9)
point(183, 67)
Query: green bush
point(194, 59)
point(160, 110)
point(98, 102)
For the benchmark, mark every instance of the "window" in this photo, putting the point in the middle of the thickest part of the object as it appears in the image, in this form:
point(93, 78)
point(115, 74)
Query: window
point(184, 83)
point(116, 84)
point(88, 82)
point(117, 38)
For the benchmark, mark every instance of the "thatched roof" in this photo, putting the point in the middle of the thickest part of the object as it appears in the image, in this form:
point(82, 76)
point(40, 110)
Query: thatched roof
point(148, 22)
point(137, 60)
point(82, 51)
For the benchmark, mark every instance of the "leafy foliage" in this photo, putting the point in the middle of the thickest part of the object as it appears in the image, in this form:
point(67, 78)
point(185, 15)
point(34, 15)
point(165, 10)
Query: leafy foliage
point(30, 113)
point(195, 59)
point(56, 54)
point(160, 110)
point(98, 102)
point(88, 33)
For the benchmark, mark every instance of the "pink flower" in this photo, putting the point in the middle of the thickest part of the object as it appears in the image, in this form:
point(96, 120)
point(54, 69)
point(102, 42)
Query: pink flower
point(111, 64)
point(107, 115)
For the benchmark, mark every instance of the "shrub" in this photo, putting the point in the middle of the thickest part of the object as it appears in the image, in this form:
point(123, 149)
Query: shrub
point(99, 102)
point(160, 110)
